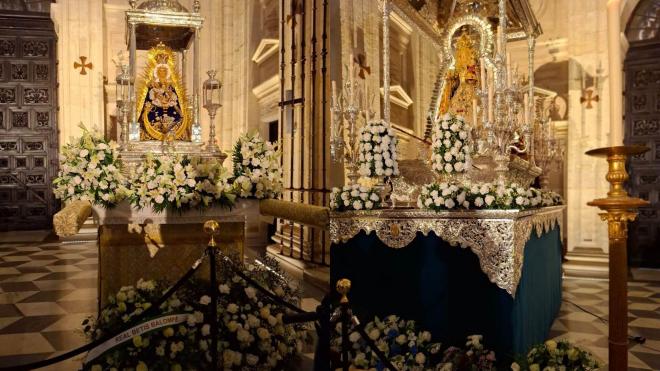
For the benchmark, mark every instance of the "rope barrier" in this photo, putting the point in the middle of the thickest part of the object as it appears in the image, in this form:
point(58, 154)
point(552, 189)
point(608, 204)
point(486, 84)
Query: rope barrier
point(321, 316)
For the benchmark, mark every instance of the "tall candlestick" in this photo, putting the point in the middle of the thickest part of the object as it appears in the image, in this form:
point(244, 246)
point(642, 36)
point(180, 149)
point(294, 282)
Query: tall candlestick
point(616, 85)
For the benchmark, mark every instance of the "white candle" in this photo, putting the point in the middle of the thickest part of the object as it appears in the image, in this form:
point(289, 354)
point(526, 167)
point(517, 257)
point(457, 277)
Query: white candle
point(366, 100)
point(482, 75)
point(508, 70)
point(474, 113)
point(334, 93)
point(499, 41)
point(615, 72)
point(526, 107)
point(350, 80)
point(491, 101)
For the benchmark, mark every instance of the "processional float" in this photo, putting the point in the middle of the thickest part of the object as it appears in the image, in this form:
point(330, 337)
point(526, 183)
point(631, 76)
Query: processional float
point(156, 114)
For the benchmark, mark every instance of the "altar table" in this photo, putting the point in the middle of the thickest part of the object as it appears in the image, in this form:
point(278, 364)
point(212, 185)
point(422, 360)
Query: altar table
point(136, 244)
point(504, 282)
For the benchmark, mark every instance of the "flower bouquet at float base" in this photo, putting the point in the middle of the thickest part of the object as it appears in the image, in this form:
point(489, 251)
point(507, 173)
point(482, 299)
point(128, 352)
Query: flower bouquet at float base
point(180, 182)
point(251, 334)
point(257, 170)
point(90, 170)
point(450, 152)
point(484, 196)
point(377, 154)
point(408, 348)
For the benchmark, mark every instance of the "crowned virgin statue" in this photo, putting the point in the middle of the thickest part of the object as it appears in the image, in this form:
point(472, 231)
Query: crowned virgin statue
point(461, 82)
point(162, 105)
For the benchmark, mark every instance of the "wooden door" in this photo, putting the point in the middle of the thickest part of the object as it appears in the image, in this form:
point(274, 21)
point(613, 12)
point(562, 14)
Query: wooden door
point(28, 128)
point(642, 126)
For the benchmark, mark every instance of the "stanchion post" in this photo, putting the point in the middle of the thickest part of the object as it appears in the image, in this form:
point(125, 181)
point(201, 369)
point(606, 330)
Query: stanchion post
point(343, 287)
point(212, 228)
point(619, 209)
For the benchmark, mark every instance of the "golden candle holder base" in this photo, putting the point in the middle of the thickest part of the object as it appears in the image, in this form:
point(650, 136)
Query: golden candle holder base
point(619, 209)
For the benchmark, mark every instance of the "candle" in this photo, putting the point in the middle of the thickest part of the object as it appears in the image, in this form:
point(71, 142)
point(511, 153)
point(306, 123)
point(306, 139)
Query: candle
point(482, 75)
point(508, 70)
point(615, 67)
point(366, 100)
point(499, 40)
point(526, 107)
point(474, 113)
point(334, 93)
point(491, 103)
point(350, 80)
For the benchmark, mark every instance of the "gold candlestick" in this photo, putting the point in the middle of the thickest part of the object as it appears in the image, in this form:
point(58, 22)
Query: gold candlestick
point(619, 208)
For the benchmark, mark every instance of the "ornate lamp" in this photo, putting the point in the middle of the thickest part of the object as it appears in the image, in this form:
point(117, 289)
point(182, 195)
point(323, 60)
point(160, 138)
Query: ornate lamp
point(124, 95)
point(211, 90)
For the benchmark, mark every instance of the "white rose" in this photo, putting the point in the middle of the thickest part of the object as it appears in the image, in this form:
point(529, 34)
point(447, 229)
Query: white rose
point(447, 157)
point(448, 168)
point(205, 300)
point(420, 358)
point(357, 205)
point(449, 203)
point(224, 289)
point(489, 199)
point(478, 202)
point(368, 205)
point(206, 330)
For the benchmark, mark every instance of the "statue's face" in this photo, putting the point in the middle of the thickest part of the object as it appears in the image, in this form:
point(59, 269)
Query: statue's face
point(161, 72)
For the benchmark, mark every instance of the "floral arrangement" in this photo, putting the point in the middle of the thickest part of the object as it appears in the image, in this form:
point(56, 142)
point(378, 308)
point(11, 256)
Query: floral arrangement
point(354, 197)
point(251, 334)
point(377, 150)
point(473, 357)
point(257, 170)
point(409, 348)
point(401, 342)
point(556, 355)
point(90, 170)
point(450, 196)
point(450, 153)
point(176, 182)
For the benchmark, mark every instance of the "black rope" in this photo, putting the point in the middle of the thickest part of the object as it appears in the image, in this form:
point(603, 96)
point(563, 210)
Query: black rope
point(133, 322)
point(372, 345)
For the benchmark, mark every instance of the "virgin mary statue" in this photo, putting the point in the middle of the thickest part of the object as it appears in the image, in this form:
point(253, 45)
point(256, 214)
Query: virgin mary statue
point(162, 106)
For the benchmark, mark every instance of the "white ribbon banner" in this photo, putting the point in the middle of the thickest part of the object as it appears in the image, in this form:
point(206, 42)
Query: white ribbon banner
point(122, 337)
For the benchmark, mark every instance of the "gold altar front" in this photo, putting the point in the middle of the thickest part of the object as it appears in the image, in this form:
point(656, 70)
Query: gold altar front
point(139, 244)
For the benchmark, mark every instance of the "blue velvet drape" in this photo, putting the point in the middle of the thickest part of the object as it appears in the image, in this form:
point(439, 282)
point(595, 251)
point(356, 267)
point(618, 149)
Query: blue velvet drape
point(443, 288)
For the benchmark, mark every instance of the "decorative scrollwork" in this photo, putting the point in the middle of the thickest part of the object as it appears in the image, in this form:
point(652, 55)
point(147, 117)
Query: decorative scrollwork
point(41, 72)
point(645, 127)
point(7, 95)
point(35, 96)
point(7, 48)
point(497, 237)
point(35, 48)
point(8, 146)
point(43, 120)
point(33, 146)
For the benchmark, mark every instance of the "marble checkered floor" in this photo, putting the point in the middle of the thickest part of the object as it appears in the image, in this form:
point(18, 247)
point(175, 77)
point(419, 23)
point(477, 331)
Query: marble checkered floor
point(48, 288)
